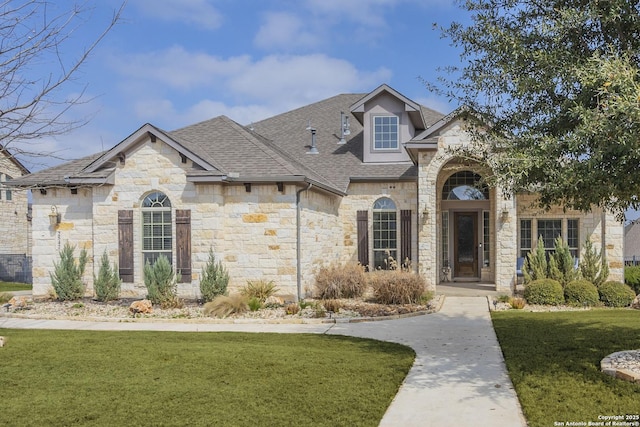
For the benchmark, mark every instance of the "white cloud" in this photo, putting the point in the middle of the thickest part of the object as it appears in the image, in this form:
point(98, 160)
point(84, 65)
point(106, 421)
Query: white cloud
point(296, 80)
point(193, 12)
point(244, 89)
point(284, 30)
point(179, 68)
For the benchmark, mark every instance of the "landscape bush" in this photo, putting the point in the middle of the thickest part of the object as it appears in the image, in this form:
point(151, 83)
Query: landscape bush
point(254, 304)
point(616, 294)
point(544, 292)
point(259, 289)
point(593, 264)
point(215, 279)
point(517, 303)
point(161, 283)
point(535, 264)
point(292, 308)
point(561, 263)
point(223, 306)
point(632, 277)
point(66, 278)
point(333, 305)
point(107, 283)
point(396, 286)
point(340, 281)
point(581, 292)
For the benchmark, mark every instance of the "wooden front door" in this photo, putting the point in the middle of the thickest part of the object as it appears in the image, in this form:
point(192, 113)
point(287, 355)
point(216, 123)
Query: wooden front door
point(465, 243)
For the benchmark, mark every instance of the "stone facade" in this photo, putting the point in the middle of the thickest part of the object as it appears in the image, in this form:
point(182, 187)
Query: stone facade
point(280, 220)
point(14, 223)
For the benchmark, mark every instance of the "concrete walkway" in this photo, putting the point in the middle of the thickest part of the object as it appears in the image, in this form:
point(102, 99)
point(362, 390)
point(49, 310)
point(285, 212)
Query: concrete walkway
point(458, 378)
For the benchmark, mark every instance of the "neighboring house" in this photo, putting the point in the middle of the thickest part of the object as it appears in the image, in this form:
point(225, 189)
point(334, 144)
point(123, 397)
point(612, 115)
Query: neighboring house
point(15, 247)
point(356, 177)
point(632, 242)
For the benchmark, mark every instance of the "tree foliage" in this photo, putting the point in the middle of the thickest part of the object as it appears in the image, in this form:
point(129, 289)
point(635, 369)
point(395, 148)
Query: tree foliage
point(558, 83)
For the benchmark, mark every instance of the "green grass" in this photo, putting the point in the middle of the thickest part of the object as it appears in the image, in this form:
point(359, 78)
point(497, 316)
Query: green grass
point(554, 362)
point(54, 378)
point(13, 286)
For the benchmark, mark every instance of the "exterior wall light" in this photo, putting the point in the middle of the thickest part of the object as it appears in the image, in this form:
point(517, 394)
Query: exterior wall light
point(54, 216)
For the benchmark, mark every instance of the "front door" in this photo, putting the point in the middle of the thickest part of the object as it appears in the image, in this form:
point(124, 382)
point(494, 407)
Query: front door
point(465, 245)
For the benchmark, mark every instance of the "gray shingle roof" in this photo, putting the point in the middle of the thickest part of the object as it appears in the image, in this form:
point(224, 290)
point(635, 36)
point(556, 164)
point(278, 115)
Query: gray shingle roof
point(632, 240)
point(272, 148)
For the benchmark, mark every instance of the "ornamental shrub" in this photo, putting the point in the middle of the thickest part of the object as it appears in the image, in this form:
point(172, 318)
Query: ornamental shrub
point(107, 283)
point(67, 275)
point(616, 294)
point(544, 292)
point(593, 265)
point(223, 306)
point(161, 283)
point(535, 265)
point(340, 281)
point(632, 277)
point(396, 286)
point(581, 293)
point(215, 279)
point(259, 289)
point(561, 263)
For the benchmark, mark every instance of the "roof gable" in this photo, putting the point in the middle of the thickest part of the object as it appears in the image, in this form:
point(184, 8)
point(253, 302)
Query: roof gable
point(7, 154)
point(414, 109)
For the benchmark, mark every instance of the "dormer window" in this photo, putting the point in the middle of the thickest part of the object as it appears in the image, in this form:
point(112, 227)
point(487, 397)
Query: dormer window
point(385, 132)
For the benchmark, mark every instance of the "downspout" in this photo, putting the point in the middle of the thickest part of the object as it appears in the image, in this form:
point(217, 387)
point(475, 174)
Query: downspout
point(298, 242)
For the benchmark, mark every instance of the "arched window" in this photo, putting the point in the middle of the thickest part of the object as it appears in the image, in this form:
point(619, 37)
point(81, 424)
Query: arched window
point(465, 185)
point(156, 227)
point(385, 234)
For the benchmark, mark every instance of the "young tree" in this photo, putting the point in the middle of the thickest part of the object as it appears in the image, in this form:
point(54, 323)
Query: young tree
point(35, 40)
point(557, 83)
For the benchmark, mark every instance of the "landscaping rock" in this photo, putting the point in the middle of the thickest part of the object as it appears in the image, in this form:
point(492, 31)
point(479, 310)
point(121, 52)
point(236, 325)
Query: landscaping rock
point(19, 302)
point(141, 307)
point(636, 303)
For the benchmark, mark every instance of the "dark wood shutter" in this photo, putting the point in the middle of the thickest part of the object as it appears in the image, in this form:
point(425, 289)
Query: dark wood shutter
point(125, 245)
point(183, 244)
point(405, 236)
point(363, 237)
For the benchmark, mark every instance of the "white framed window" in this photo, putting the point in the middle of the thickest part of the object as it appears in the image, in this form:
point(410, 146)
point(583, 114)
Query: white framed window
point(156, 227)
point(385, 132)
point(573, 239)
point(549, 230)
point(385, 233)
point(8, 194)
point(525, 237)
point(486, 239)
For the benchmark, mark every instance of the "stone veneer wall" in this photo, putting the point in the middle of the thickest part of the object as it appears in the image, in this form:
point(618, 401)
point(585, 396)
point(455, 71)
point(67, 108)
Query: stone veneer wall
point(14, 225)
point(252, 233)
point(362, 196)
point(610, 238)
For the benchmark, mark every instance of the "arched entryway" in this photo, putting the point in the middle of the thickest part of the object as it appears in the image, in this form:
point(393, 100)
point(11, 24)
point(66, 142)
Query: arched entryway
point(465, 226)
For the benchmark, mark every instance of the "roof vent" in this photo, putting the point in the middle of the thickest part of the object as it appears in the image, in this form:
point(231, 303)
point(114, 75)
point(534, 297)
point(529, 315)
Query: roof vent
point(345, 127)
point(313, 149)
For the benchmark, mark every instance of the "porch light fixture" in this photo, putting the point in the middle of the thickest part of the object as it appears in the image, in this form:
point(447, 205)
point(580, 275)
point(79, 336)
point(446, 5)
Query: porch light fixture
point(505, 214)
point(54, 216)
point(425, 215)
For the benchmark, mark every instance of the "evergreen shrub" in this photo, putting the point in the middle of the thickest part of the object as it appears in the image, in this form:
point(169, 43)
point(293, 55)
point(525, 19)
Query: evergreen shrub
point(544, 292)
point(107, 283)
point(215, 279)
point(632, 277)
point(581, 292)
point(616, 294)
point(66, 278)
point(161, 283)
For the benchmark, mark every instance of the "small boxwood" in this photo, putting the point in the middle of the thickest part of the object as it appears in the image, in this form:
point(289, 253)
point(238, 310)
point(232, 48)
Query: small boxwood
point(616, 294)
point(632, 277)
point(544, 292)
point(581, 292)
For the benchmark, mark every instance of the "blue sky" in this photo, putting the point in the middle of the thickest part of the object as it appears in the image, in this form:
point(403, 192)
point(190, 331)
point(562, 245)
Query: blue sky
point(177, 62)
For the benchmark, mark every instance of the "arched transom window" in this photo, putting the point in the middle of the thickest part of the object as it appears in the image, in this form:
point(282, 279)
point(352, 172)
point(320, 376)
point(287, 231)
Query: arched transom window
point(156, 227)
point(385, 232)
point(465, 185)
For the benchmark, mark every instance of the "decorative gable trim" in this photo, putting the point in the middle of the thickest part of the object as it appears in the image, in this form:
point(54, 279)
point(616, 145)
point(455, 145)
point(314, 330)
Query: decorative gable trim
point(411, 107)
point(147, 131)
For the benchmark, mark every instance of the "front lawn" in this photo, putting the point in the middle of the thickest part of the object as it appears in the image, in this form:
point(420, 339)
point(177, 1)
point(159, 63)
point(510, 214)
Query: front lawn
point(553, 359)
point(13, 286)
point(52, 378)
